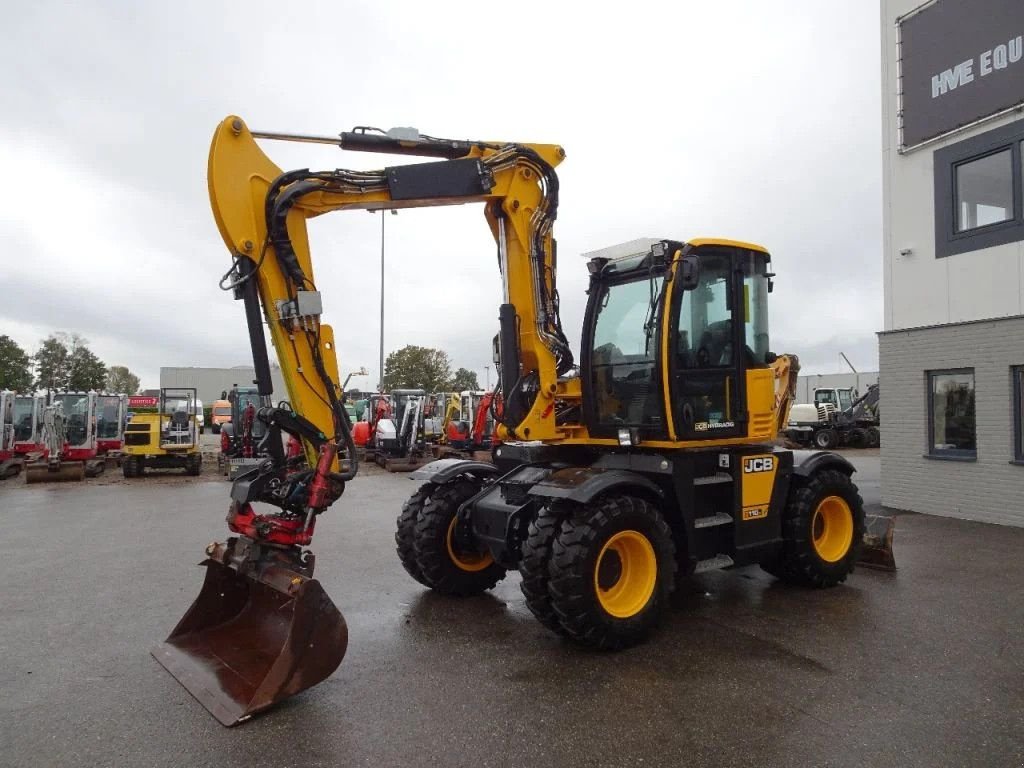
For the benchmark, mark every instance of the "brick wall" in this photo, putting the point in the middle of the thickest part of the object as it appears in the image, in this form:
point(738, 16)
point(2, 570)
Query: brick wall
point(989, 489)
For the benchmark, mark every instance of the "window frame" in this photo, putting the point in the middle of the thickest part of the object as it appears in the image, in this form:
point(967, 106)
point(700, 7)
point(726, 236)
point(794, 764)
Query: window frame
point(956, 454)
point(1017, 388)
point(949, 241)
point(956, 192)
point(598, 285)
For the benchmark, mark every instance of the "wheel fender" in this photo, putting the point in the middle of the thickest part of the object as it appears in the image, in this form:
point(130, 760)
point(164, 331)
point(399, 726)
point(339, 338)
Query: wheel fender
point(806, 463)
point(443, 470)
point(584, 484)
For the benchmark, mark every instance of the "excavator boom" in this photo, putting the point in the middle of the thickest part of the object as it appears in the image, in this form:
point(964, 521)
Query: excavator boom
point(246, 642)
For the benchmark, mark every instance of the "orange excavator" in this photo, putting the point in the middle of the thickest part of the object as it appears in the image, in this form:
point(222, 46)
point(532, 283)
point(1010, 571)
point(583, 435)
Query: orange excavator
point(654, 457)
point(477, 432)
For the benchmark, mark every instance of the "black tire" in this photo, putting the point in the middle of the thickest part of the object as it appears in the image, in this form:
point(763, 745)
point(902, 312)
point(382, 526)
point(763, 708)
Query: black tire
point(435, 558)
point(128, 467)
point(800, 561)
point(576, 554)
point(874, 437)
point(195, 464)
point(826, 439)
point(534, 565)
point(858, 438)
point(405, 533)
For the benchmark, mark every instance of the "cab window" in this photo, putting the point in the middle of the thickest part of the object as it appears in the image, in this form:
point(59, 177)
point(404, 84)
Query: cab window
point(625, 380)
point(704, 338)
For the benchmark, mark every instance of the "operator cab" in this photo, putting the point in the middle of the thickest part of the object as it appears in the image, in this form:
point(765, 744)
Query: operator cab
point(841, 398)
point(27, 416)
point(178, 411)
point(79, 416)
point(669, 337)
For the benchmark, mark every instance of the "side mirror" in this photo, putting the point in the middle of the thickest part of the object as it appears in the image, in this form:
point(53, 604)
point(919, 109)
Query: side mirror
point(689, 272)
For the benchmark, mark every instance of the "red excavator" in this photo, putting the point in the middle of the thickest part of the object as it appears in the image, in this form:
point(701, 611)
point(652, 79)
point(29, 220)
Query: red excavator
point(69, 440)
point(475, 431)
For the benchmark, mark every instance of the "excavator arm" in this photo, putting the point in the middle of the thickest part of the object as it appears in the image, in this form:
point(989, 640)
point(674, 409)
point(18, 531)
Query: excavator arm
point(261, 213)
point(263, 628)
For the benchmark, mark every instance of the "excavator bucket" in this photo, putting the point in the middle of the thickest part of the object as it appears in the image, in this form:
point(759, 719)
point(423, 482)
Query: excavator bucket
point(876, 551)
point(251, 641)
point(44, 472)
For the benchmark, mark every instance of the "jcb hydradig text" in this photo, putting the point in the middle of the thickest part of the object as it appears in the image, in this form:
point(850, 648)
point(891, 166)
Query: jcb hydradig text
point(657, 459)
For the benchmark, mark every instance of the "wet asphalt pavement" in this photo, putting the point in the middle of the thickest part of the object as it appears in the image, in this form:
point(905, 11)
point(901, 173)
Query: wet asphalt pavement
point(925, 667)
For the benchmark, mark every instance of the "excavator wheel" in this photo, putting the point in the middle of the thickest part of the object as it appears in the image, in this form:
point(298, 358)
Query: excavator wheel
point(822, 531)
point(826, 439)
point(448, 561)
point(612, 571)
point(858, 438)
point(874, 437)
point(534, 565)
point(195, 464)
point(405, 533)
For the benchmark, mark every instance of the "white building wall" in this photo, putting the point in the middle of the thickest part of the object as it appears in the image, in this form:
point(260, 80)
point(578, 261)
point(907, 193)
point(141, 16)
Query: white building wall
point(920, 289)
point(210, 382)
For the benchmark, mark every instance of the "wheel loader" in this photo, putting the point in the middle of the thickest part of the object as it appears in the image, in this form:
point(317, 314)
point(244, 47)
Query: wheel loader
point(653, 459)
point(167, 439)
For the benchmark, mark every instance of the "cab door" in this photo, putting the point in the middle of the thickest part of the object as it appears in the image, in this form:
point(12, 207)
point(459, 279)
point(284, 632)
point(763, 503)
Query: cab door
point(621, 354)
point(705, 349)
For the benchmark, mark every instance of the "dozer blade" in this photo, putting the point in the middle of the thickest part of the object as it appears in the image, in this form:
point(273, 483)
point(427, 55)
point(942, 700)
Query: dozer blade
point(876, 551)
point(65, 472)
point(249, 642)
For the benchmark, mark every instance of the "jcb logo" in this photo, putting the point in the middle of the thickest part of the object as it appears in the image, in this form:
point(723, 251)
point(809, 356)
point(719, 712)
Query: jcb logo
point(759, 464)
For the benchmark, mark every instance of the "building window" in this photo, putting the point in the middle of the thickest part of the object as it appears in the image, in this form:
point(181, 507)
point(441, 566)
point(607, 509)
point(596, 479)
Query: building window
point(951, 429)
point(984, 191)
point(1018, 412)
point(978, 191)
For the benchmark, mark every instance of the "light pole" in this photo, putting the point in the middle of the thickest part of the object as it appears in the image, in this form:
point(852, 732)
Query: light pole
point(380, 371)
point(487, 368)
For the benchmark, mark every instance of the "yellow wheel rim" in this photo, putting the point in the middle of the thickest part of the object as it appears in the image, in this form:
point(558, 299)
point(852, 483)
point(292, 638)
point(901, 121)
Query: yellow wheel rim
point(832, 529)
point(466, 561)
point(625, 573)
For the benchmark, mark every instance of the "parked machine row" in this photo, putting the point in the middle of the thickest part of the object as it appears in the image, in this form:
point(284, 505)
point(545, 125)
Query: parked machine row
point(67, 436)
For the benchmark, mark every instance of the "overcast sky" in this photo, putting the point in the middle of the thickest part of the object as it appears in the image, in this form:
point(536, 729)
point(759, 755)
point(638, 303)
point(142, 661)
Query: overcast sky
point(682, 120)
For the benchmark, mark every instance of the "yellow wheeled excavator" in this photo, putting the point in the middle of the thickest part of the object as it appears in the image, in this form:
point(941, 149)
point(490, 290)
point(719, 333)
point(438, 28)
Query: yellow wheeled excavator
point(655, 460)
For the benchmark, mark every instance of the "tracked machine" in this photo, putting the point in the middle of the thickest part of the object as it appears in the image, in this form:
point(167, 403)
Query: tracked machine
point(10, 461)
point(28, 424)
point(655, 461)
point(240, 439)
point(68, 438)
point(111, 417)
point(400, 440)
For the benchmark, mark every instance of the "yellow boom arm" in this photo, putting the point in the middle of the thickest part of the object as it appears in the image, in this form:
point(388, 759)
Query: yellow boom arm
point(261, 213)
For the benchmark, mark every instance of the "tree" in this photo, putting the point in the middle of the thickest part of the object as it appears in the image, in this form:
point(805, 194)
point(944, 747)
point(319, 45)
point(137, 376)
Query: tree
point(121, 381)
point(64, 361)
point(53, 364)
point(86, 371)
point(464, 379)
point(413, 367)
point(15, 370)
